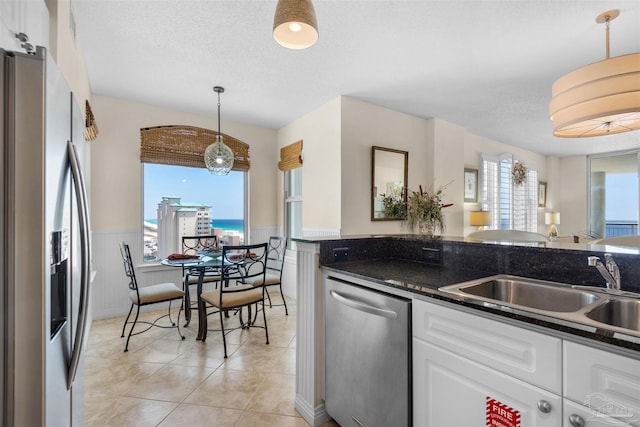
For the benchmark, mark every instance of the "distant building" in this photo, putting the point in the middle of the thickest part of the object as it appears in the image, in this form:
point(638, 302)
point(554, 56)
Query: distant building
point(177, 219)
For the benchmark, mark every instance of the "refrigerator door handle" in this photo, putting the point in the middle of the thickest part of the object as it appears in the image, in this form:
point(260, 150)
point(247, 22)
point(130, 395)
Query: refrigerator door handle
point(361, 306)
point(85, 249)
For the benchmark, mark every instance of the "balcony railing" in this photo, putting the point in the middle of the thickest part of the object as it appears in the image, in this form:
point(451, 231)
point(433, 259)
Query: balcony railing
point(617, 228)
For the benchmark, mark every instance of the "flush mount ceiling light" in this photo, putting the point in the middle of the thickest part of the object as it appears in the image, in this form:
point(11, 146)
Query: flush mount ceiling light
point(602, 98)
point(294, 24)
point(218, 157)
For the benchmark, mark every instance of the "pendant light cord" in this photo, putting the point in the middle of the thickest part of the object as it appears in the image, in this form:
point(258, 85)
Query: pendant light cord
point(218, 113)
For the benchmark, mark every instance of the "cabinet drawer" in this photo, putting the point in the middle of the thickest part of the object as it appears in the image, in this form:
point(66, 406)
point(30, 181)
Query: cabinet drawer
point(452, 391)
point(606, 382)
point(590, 417)
point(521, 353)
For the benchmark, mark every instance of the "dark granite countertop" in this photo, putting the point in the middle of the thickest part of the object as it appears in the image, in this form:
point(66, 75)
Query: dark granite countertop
point(425, 279)
point(409, 275)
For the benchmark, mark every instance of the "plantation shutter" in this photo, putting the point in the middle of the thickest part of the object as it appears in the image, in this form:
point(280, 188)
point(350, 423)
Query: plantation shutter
point(513, 207)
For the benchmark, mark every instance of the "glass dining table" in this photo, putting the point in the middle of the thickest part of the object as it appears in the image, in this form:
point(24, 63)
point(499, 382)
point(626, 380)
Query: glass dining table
point(209, 261)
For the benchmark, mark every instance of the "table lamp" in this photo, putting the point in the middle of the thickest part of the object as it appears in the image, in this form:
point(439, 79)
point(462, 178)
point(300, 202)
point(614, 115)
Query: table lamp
point(552, 218)
point(480, 219)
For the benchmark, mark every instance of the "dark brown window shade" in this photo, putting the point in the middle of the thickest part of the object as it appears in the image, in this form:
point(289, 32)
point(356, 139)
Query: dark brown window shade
point(290, 156)
point(185, 146)
point(90, 126)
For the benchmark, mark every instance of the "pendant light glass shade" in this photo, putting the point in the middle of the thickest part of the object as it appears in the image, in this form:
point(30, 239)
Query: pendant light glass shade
point(218, 157)
point(602, 98)
point(294, 24)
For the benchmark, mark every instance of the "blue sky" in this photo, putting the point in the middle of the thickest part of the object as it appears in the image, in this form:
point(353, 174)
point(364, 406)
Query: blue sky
point(622, 197)
point(225, 193)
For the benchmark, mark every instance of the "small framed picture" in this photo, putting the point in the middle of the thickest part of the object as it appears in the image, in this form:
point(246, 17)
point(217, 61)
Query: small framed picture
point(470, 185)
point(542, 194)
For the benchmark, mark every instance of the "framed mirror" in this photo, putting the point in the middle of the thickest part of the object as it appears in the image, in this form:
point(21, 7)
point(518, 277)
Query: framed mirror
point(389, 172)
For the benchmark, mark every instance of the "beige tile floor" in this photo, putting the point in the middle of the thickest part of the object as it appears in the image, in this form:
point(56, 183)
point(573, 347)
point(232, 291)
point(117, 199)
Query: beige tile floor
point(164, 381)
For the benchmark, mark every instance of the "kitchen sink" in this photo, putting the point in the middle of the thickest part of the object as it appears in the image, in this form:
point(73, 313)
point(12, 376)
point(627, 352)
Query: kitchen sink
point(531, 294)
point(600, 308)
point(623, 313)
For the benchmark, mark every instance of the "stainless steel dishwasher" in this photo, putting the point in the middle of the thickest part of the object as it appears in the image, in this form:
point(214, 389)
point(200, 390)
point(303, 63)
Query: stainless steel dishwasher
point(367, 356)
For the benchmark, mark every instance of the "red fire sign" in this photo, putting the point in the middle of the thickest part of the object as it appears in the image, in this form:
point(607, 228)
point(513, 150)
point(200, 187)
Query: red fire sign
point(501, 415)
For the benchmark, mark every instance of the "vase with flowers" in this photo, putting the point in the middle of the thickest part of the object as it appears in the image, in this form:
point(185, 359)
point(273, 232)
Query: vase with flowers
point(424, 210)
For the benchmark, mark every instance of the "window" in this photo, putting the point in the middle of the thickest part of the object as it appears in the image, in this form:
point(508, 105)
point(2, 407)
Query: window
point(189, 201)
point(293, 203)
point(613, 195)
point(513, 207)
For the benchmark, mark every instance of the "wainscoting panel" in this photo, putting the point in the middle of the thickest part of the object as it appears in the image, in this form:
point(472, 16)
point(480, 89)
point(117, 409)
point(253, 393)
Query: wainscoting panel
point(109, 290)
point(262, 234)
point(320, 232)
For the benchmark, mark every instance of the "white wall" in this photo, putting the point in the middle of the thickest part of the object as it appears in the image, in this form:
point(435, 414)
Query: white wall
point(320, 133)
point(572, 198)
point(364, 125)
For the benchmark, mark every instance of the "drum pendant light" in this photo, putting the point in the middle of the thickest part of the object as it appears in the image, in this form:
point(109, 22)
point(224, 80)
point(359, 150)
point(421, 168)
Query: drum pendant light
point(294, 24)
point(602, 98)
point(218, 157)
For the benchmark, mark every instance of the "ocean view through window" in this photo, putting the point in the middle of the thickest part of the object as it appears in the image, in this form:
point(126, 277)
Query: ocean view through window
point(184, 201)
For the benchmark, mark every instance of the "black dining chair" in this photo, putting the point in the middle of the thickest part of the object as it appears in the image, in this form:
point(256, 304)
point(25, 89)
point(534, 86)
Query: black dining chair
point(195, 245)
point(240, 265)
point(275, 262)
point(147, 295)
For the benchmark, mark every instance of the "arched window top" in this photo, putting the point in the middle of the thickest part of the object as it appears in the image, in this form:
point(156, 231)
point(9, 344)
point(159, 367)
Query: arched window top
point(185, 146)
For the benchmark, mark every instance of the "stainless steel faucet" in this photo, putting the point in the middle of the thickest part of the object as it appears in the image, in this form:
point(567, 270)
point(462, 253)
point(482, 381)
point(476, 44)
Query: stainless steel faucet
point(609, 270)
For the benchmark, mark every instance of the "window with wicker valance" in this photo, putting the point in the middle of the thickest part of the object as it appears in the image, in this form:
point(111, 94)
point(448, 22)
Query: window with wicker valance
point(185, 146)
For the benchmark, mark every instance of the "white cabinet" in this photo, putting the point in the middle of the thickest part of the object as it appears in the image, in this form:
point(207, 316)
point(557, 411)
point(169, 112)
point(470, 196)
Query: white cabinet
point(527, 355)
point(470, 370)
point(23, 16)
point(603, 383)
point(467, 368)
point(453, 391)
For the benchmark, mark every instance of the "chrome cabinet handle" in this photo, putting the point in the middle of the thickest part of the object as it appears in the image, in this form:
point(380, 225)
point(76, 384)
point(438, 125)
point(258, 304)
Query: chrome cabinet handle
point(85, 250)
point(576, 420)
point(361, 306)
point(544, 406)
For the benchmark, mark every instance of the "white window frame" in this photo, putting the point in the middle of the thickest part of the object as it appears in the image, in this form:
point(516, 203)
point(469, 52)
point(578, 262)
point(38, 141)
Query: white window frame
point(289, 200)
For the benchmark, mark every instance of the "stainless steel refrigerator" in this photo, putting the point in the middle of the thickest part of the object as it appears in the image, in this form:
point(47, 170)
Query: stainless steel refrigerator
point(45, 243)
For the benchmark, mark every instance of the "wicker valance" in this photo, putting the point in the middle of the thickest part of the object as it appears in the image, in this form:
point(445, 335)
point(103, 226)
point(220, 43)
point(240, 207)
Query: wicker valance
point(90, 126)
point(290, 156)
point(185, 146)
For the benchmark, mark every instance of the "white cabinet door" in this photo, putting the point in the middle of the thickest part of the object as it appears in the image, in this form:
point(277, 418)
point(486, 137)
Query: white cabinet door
point(530, 356)
point(452, 391)
point(23, 16)
point(603, 381)
point(576, 415)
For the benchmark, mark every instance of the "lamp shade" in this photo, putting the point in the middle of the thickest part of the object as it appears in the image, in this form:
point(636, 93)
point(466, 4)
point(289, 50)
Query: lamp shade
point(294, 24)
point(552, 218)
point(480, 218)
point(602, 98)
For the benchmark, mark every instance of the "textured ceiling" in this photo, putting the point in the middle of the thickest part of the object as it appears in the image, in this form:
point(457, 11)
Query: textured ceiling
point(485, 65)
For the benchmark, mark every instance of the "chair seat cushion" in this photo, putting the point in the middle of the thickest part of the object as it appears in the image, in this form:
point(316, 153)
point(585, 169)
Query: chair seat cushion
point(193, 280)
point(270, 279)
point(233, 299)
point(156, 293)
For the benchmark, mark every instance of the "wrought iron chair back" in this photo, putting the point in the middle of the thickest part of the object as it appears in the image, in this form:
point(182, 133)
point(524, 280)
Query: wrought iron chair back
point(159, 293)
